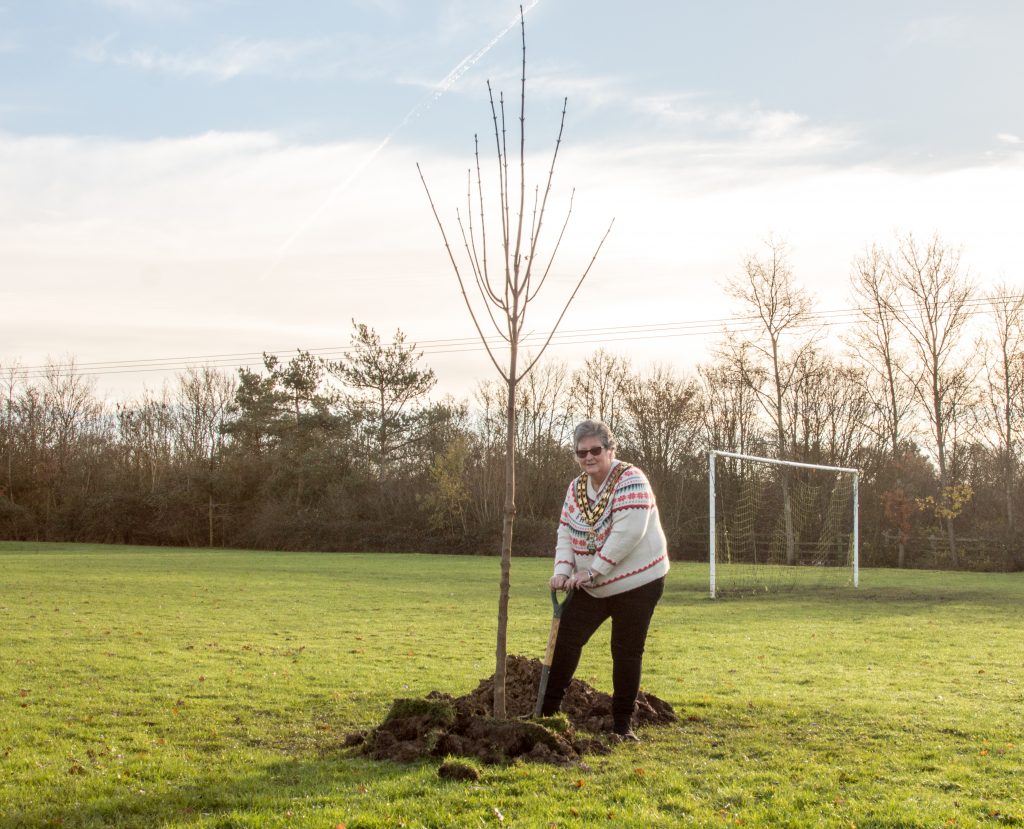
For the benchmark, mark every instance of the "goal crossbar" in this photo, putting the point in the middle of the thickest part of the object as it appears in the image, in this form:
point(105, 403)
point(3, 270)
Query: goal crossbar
point(713, 453)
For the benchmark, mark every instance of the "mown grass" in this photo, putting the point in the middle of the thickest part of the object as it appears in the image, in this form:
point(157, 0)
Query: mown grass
point(170, 687)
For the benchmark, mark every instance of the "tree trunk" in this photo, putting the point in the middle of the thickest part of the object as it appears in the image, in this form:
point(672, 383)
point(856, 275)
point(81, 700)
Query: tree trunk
point(951, 534)
point(1011, 529)
point(787, 511)
point(501, 649)
point(780, 434)
point(944, 489)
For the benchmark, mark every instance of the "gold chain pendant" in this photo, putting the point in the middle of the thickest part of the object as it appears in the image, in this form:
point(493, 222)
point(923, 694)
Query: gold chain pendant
point(592, 514)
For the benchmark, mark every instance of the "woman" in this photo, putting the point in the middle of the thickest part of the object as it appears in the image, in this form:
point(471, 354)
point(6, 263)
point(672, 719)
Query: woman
point(612, 553)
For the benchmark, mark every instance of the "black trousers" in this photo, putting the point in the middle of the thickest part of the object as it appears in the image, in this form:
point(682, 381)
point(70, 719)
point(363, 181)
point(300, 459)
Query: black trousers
point(631, 614)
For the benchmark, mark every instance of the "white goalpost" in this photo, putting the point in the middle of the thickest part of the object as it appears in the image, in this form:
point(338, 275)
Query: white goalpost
point(778, 515)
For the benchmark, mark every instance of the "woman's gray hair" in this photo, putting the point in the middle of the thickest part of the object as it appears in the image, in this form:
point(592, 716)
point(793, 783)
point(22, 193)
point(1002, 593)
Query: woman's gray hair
point(594, 429)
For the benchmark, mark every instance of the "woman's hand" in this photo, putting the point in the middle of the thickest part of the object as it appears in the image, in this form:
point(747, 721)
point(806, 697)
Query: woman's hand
point(578, 580)
point(559, 582)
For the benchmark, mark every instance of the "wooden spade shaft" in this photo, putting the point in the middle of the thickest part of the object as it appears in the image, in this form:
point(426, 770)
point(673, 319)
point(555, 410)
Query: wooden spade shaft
point(556, 619)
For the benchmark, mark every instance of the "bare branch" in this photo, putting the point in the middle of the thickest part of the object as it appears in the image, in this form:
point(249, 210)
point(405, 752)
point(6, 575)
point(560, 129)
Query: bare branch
point(499, 141)
point(554, 251)
point(480, 285)
point(517, 258)
point(565, 308)
point(469, 241)
point(458, 275)
point(547, 190)
point(471, 251)
point(483, 222)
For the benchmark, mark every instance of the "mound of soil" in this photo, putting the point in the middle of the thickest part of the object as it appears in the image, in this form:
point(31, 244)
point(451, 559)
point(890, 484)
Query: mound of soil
point(442, 725)
point(587, 708)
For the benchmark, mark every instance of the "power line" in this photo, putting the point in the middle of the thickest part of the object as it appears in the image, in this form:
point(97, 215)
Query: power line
point(737, 325)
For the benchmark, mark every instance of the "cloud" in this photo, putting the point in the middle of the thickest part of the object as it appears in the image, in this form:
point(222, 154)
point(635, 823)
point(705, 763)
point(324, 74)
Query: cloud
point(1008, 138)
point(693, 122)
point(231, 59)
point(693, 119)
point(157, 247)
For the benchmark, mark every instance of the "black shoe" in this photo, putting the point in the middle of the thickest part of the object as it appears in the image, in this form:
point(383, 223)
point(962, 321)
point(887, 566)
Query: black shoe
point(626, 736)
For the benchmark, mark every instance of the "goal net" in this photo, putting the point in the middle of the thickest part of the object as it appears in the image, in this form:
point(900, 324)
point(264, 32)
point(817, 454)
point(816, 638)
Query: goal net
point(780, 525)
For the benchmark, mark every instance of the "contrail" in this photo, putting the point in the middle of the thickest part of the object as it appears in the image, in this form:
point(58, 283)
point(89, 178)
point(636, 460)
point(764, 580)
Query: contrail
point(439, 89)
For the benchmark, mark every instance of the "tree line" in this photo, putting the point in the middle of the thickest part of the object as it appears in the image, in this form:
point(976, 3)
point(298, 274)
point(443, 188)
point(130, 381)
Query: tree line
point(925, 396)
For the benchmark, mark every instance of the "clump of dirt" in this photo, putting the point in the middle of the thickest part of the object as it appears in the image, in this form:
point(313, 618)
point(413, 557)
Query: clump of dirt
point(442, 725)
point(454, 770)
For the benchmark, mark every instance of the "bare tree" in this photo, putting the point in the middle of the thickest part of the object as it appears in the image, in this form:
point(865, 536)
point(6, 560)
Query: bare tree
point(203, 397)
point(1004, 385)
point(660, 430)
point(597, 387)
point(146, 430)
point(203, 400)
point(12, 378)
point(71, 406)
point(828, 409)
point(487, 473)
point(544, 429)
point(729, 407)
point(875, 341)
point(662, 422)
point(505, 294)
point(933, 305)
point(770, 352)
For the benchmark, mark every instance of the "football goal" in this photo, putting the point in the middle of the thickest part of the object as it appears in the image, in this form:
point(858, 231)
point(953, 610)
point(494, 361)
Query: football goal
point(780, 525)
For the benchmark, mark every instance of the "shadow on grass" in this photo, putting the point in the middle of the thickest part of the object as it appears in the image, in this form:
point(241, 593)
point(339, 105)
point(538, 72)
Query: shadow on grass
point(1003, 591)
point(271, 790)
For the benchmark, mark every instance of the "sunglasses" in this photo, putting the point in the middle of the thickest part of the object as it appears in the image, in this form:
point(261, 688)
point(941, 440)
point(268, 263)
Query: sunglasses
point(594, 450)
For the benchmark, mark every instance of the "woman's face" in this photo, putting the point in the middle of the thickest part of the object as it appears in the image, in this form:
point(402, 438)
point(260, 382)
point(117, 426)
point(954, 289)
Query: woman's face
point(596, 466)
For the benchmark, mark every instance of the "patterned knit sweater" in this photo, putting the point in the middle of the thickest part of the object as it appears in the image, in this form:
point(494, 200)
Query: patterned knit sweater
point(630, 544)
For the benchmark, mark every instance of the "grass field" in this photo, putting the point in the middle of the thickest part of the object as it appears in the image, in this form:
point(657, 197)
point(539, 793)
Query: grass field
point(168, 687)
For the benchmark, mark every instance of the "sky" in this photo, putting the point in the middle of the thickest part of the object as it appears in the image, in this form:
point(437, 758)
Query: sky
point(199, 181)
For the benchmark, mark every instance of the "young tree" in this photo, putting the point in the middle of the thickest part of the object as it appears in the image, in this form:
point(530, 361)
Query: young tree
point(505, 294)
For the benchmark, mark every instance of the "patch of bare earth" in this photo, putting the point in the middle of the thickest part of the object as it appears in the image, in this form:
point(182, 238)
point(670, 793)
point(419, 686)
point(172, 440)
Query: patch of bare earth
point(441, 725)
